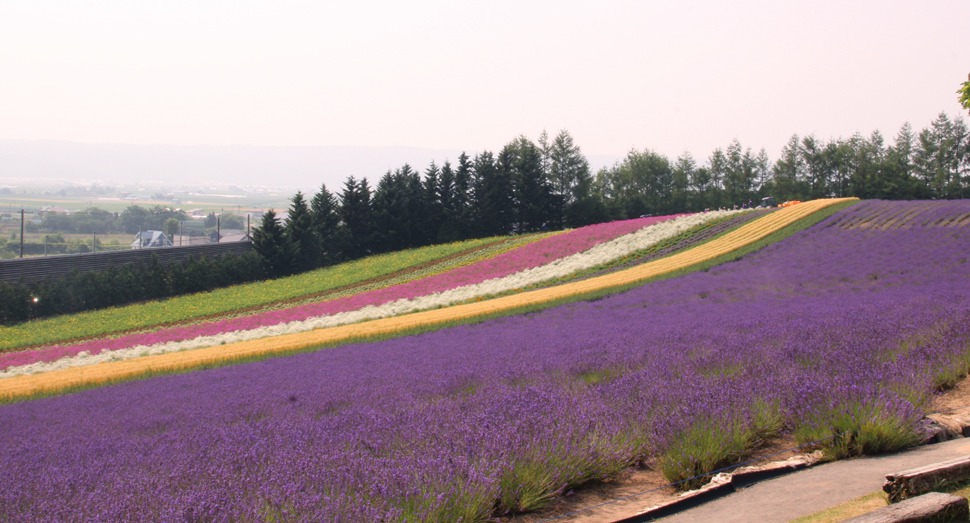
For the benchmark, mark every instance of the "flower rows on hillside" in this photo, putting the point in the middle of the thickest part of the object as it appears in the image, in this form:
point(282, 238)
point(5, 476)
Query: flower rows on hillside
point(171, 361)
point(481, 420)
point(568, 252)
point(890, 215)
point(229, 299)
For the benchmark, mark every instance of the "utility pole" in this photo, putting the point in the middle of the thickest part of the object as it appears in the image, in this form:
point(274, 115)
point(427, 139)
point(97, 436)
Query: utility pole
point(218, 229)
point(250, 238)
point(180, 234)
point(94, 242)
point(21, 232)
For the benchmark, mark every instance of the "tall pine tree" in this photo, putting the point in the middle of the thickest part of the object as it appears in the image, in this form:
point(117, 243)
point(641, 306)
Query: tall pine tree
point(326, 218)
point(462, 197)
point(274, 248)
point(356, 230)
point(521, 161)
point(302, 234)
point(492, 195)
point(568, 172)
point(433, 204)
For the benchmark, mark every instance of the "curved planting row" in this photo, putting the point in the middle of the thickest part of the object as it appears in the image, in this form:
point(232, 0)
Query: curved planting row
point(893, 215)
point(546, 259)
point(190, 307)
point(679, 244)
point(353, 276)
point(479, 421)
point(108, 371)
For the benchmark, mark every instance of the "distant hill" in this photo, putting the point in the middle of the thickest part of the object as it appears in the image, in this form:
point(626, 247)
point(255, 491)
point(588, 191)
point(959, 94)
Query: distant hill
point(303, 167)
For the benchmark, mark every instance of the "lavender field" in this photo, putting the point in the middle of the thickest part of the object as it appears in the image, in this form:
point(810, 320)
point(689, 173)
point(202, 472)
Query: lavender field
point(846, 328)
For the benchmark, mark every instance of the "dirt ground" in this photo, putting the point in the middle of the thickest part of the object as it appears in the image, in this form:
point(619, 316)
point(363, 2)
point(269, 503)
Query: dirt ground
point(956, 398)
point(640, 488)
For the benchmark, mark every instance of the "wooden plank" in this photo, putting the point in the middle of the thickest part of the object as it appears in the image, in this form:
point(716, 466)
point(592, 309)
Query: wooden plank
point(914, 482)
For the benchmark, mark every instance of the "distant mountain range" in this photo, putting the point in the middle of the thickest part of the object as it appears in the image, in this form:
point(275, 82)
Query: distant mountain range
point(296, 167)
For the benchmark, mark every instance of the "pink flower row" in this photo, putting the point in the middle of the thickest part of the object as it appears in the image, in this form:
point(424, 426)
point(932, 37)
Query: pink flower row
point(526, 257)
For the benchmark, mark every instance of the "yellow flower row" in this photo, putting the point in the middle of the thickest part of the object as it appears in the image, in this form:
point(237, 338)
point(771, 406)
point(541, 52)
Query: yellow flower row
point(79, 377)
point(225, 300)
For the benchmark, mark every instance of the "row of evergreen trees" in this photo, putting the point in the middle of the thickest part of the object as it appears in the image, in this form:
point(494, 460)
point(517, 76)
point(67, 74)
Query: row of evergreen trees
point(531, 186)
point(526, 187)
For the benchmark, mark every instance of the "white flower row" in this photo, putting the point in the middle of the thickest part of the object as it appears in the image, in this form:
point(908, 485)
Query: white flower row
point(597, 255)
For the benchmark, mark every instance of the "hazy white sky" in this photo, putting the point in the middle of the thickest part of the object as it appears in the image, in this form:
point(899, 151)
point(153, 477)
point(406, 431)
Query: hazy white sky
point(670, 76)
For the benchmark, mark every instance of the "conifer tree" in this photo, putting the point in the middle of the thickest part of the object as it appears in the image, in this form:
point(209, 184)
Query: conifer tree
point(273, 247)
point(325, 212)
point(433, 204)
point(300, 231)
point(387, 219)
point(521, 161)
point(568, 172)
point(492, 197)
point(462, 197)
point(448, 231)
point(355, 235)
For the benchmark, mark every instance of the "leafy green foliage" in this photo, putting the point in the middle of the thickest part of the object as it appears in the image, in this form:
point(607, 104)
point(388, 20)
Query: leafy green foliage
point(964, 93)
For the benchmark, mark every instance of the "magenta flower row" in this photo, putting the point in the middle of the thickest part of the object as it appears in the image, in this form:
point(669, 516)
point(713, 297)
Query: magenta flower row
point(528, 256)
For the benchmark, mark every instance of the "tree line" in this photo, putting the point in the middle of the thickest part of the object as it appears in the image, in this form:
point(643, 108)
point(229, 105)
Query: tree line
point(525, 187)
point(129, 221)
point(529, 186)
point(933, 164)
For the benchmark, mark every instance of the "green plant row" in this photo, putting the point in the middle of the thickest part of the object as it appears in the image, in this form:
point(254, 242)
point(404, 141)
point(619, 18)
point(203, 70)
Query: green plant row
point(142, 315)
point(405, 275)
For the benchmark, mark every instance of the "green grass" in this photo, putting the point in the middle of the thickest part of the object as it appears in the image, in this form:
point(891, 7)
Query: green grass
point(849, 509)
point(869, 502)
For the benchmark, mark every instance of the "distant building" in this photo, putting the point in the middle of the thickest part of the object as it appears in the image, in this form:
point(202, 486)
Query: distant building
point(52, 209)
point(232, 235)
point(151, 240)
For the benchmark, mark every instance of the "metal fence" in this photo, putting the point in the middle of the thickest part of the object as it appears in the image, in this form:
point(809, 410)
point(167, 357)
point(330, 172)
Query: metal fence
point(38, 268)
